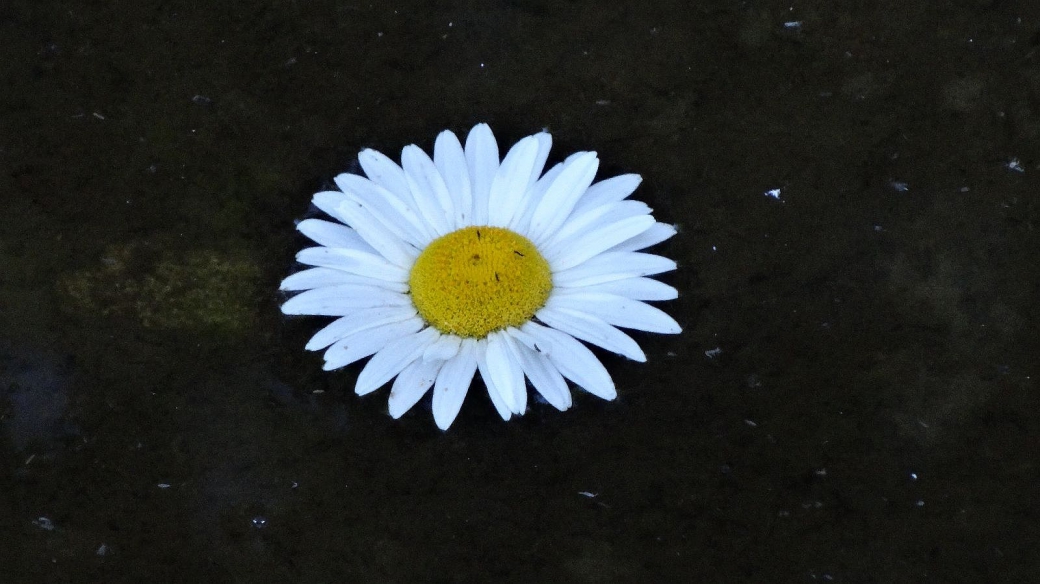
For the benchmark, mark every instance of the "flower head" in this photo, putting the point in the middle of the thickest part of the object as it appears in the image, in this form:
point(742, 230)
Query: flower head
point(441, 267)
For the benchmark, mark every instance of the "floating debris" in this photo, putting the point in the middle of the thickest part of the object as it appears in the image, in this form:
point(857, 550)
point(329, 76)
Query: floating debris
point(44, 523)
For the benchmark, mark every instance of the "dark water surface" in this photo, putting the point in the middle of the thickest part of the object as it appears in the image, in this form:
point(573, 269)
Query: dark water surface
point(853, 399)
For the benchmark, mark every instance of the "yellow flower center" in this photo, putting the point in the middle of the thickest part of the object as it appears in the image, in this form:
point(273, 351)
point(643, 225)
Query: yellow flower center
point(478, 280)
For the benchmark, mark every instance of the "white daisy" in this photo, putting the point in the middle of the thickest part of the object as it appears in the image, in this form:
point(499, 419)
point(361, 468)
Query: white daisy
point(442, 267)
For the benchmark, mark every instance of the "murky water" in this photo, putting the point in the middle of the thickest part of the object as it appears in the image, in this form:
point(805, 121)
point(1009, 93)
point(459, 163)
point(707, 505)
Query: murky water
point(853, 398)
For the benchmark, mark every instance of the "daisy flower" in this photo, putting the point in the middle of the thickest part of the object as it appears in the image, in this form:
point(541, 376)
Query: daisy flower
point(441, 267)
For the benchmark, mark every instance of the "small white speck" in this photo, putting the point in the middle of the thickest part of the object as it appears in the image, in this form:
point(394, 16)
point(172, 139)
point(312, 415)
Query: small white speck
point(822, 472)
point(588, 494)
point(919, 503)
point(44, 523)
point(899, 186)
point(1013, 164)
point(163, 485)
point(102, 550)
point(712, 353)
point(99, 116)
point(913, 476)
point(793, 24)
point(751, 423)
point(773, 193)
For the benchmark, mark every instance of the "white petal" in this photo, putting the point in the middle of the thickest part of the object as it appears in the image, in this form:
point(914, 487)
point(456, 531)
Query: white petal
point(657, 233)
point(364, 343)
point(482, 159)
point(522, 222)
point(599, 240)
point(573, 359)
point(383, 171)
point(444, 349)
point(525, 339)
point(392, 358)
point(618, 311)
point(453, 383)
point(319, 277)
point(591, 329)
point(329, 202)
point(522, 217)
point(428, 190)
point(563, 193)
point(610, 266)
point(511, 181)
point(450, 160)
point(342, 300)
point(358, 321)
point(411, 384)
point(581, 223)
point(544, 376)
point(332, 234)
point(520, 390)
point(544, 146)
point(386, 242)
point(354, 262)
point(634, 288)
point(497, 399)
point(506, 373)
point(610, 190)
point(400, 217)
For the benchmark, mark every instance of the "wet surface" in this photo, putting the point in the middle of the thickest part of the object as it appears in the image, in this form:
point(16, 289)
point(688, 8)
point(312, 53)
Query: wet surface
point(853, 398)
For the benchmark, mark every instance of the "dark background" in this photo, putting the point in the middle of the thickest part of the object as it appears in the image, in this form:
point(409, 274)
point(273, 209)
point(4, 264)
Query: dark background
point(872, 414)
